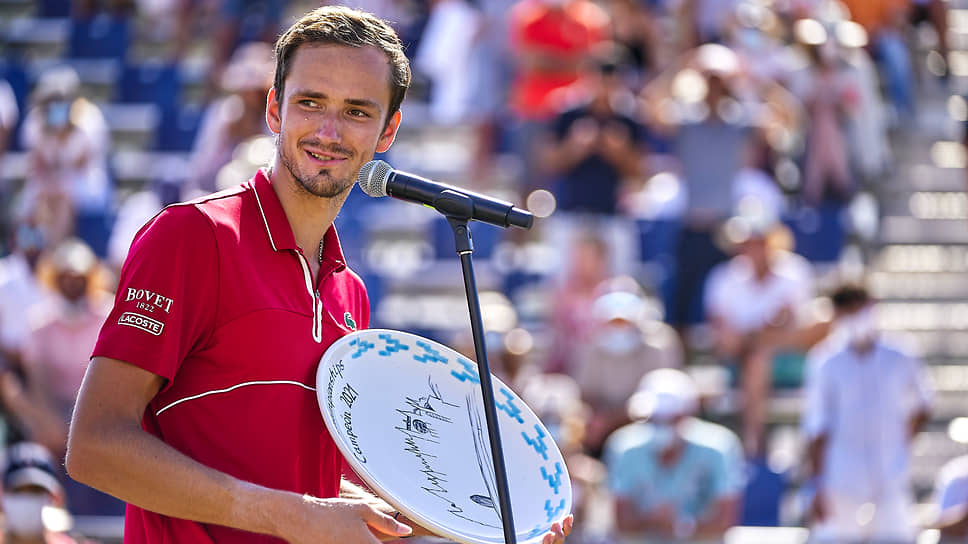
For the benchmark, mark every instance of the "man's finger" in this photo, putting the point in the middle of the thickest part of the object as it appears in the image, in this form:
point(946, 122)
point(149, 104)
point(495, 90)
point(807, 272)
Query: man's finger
point(385, 523)
point(568, 524)
point(555, 535)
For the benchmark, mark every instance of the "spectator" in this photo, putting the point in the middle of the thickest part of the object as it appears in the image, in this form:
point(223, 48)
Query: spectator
point(55, 356)
point(234, 117)
point(830, 97)
point(596, 143)
point(446, 57)
point(571, 321)
point(20, 289)
point(706, 106)
point(770, 327)
point(32, 497)
point(870, 151)
point(68, 188)
point(635, 25)
point(885, 23)
point(550, 41)
point(593, 154)
point(707, 21)
point(673, 479)
point(625, 345)
point(951, 499)
point(9, 115)
point(865, 400)
point(63, 331)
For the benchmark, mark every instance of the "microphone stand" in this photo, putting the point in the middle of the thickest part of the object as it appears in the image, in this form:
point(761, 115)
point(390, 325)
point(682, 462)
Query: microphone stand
point(458, 210)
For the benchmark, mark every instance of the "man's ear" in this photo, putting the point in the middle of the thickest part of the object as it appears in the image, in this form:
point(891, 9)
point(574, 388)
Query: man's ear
point(273, 120)
point(389, 133)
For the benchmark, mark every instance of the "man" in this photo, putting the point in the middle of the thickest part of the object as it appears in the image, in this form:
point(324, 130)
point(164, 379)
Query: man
point(20, 289)
point(32, 498)
point(951, 500)
point(198, 407)
point(674, 477)
point(769, 330)
point(625, 344)
point(865, 401)
point(699, 104)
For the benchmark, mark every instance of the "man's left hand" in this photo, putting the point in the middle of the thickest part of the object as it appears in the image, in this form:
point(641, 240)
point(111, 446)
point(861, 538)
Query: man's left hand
point(559, 531)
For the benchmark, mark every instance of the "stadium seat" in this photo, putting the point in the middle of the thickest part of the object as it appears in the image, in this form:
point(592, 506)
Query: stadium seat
point(101, 36)
point(657, 255)
point(819, 232)
point(54, 8)
point(177, 129)
point(151, 82)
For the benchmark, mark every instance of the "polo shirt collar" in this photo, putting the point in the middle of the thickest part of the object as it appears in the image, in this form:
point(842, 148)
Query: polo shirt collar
point(280, 232)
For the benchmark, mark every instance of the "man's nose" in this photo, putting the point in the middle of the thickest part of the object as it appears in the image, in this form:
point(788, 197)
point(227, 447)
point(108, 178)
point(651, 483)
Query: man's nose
point(329, 127)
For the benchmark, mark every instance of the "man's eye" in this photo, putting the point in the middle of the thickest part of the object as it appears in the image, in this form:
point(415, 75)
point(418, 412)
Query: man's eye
point(359, 113)
point(308, 103)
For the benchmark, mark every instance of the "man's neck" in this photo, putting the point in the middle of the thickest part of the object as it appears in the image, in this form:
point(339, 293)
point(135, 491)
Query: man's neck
point(309, 216)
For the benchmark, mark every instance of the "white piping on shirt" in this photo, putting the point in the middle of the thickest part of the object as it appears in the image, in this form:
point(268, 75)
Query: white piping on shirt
point(264, 221)
point(313, 294)
point(317, 304)
point(233, 388)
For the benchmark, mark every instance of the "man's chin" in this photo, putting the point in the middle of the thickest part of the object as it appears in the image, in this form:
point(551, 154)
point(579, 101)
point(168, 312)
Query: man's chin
point(326, 187)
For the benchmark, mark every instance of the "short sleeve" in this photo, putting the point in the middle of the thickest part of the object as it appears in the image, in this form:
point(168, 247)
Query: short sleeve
point(924, 393)
point(817, 401)
point(166, 300)
point(623, 467)
point(733, 467)
point(717, 291)
point(725, 477)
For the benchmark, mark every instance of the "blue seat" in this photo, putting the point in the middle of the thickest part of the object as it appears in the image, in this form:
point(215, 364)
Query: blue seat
point(155, 83)
point(99, 37)
point(761, 499)
point(657, 241)
point(54, 8)
point(178, 128)
point(819, 232)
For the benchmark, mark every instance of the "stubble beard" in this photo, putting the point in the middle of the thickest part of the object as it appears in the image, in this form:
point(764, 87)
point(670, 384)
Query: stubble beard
point(320, 183)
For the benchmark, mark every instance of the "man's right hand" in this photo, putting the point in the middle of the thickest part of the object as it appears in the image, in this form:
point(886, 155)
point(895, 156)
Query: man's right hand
point(336, 521)
point(818, 507)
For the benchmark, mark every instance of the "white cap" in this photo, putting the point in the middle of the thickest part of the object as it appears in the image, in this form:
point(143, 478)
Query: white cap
point(664, 393)
point(619, 305)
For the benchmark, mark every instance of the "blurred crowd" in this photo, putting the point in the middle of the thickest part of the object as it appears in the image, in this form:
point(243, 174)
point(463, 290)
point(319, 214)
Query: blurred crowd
point(674, 151)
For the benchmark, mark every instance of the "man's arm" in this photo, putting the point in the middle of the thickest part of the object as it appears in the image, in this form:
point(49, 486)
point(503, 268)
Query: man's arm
point(722, 515)
point(629, 518)
point(109, 450)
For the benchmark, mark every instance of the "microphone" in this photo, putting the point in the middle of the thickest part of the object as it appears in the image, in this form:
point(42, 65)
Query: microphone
point(377, 178)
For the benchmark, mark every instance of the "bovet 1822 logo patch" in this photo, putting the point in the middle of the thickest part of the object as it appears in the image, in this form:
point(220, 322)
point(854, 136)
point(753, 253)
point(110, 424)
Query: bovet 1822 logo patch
point(139, 321)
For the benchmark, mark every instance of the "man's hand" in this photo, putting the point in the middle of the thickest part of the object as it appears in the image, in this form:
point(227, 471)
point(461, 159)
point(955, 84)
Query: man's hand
point(338, 521)
point(559, 531)
point(818, 507)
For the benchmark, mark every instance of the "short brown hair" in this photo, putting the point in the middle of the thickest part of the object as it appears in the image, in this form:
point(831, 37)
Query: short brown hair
point(345, 26)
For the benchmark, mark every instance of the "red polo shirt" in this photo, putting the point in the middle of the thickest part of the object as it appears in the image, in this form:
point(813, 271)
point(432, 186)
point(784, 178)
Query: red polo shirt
point(216, 298)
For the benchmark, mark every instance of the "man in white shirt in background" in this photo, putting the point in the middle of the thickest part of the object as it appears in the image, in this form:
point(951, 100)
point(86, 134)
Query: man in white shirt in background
point(865, 400)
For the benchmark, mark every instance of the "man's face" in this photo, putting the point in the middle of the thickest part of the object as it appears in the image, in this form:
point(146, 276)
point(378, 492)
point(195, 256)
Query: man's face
point(332, 116)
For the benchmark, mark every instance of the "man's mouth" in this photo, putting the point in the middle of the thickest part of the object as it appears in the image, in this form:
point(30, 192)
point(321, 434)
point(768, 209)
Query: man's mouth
point(323, 157)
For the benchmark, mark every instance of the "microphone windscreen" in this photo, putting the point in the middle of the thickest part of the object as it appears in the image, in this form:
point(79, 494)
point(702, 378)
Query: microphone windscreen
point(373, 178)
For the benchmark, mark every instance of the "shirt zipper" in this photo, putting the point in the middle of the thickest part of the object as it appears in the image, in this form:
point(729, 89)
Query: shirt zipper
point(316, 302)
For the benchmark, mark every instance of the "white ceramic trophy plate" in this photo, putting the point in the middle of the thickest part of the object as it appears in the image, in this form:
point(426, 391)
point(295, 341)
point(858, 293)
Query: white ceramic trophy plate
point(408, 415)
